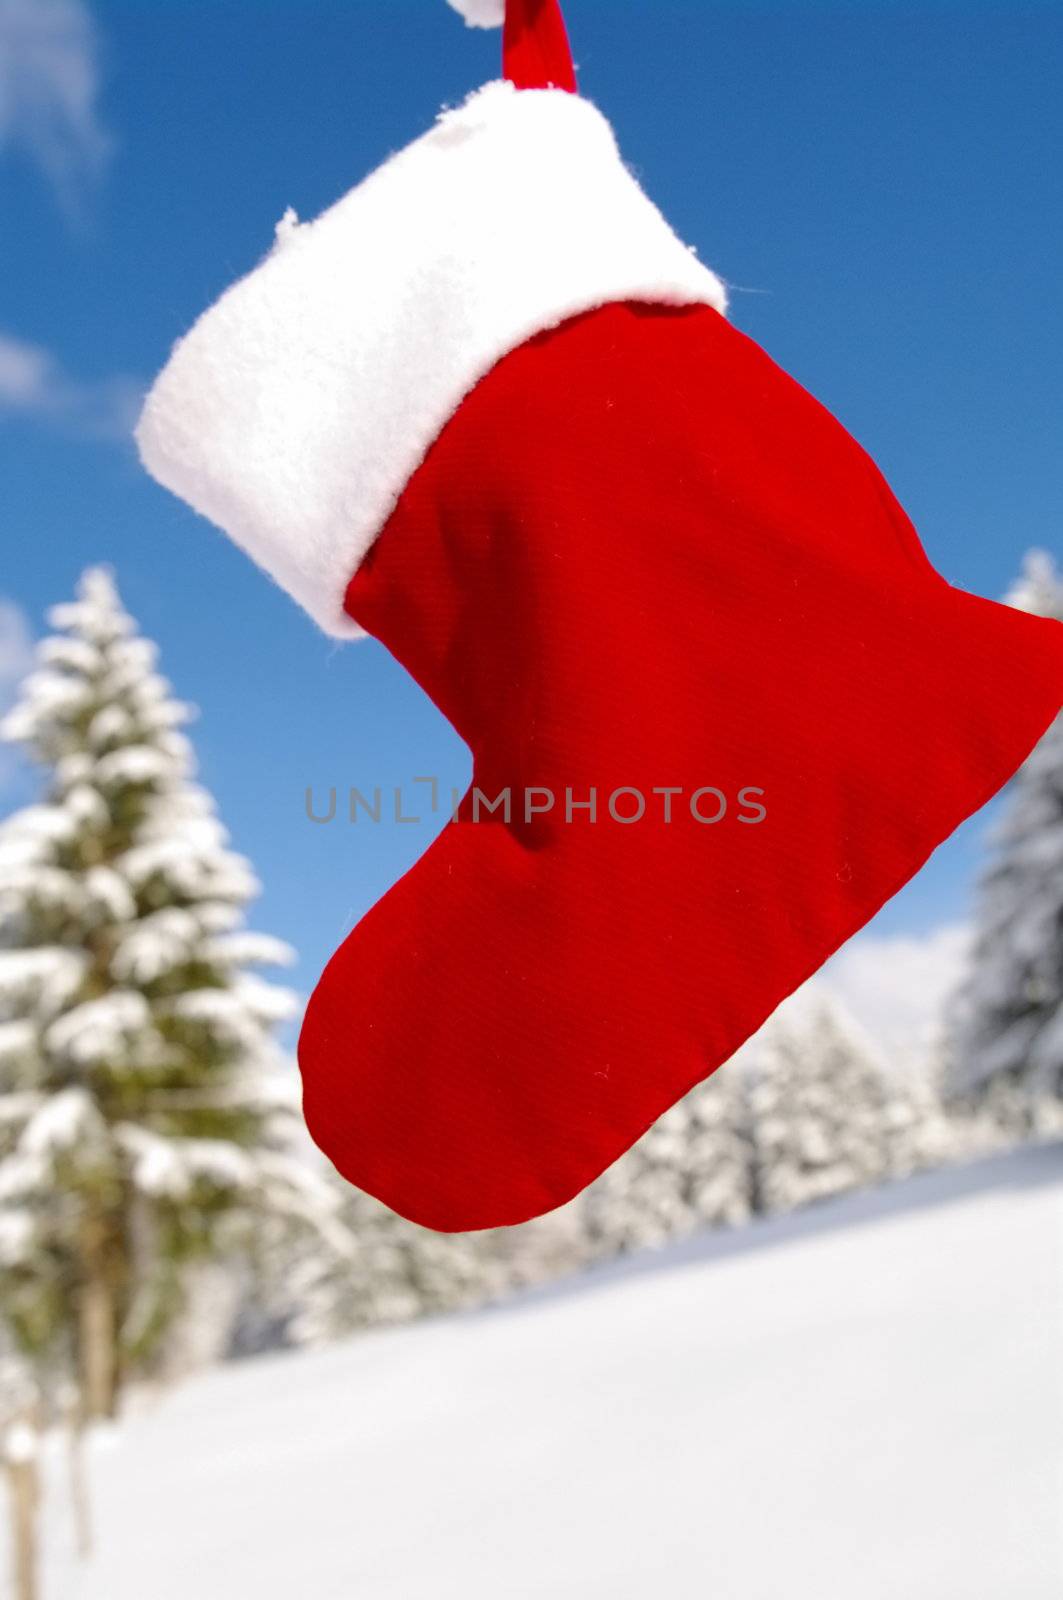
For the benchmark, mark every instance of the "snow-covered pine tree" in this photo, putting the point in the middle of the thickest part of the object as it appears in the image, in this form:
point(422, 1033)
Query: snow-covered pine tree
point(691, 1170)
point(806, 1109)
point(823, 1116)
point(1007, 1021)
point(399, 1272)
point(542, 1251)
point(145, 1108)
point(923, 1131)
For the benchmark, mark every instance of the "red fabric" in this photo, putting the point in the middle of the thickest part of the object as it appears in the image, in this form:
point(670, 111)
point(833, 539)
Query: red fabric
point(535, 48)
point(640, 555)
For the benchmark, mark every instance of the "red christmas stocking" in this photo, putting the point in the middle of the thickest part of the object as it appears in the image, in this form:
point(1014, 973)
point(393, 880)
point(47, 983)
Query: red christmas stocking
point(718, 699)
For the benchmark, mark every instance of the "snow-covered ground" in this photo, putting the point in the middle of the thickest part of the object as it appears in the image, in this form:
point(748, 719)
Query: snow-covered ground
point(864, 1402)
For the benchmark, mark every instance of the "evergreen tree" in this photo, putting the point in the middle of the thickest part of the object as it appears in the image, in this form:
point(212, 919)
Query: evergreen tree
point(823, 1111)
point(1007, 1022)
point(804, 1111)
point(691, 1170)
point(923, 1130)
point(399, 1272)
point(146, 1112)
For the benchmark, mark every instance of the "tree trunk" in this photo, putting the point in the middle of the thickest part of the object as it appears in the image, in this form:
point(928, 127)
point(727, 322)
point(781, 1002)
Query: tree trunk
point(78, 1478)
point(24, 1491)
point(97, 1326)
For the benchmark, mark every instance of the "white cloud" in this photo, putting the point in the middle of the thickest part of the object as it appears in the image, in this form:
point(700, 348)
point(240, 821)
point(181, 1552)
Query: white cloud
point(24, 375)
point(898, 987)
point(49, 89)
point(34, 384)
point(16, 658)
point(1040, 587)
point(16, 646)
point(481, 13)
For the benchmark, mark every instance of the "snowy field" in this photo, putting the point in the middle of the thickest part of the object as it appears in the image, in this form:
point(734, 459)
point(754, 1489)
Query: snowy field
point(861, 1403)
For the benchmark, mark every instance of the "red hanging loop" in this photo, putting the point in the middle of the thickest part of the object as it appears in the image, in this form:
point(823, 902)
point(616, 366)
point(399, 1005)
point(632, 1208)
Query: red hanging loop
point(535, 48)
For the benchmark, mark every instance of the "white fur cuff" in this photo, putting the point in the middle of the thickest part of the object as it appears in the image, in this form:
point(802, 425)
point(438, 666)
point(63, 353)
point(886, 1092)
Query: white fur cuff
point(299, 406)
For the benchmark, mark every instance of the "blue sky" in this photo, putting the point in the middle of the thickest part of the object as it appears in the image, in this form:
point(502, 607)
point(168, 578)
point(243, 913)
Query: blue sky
point(878, 183)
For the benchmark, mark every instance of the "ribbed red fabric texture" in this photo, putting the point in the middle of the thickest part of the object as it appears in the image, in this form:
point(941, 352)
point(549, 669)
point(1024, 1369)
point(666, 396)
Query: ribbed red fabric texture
point(641, 557)
point(535, 48)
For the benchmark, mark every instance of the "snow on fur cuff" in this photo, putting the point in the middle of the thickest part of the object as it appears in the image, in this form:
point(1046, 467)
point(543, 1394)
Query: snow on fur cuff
point(299, 406)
